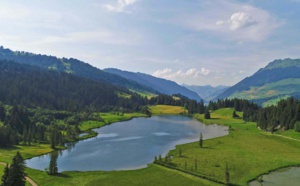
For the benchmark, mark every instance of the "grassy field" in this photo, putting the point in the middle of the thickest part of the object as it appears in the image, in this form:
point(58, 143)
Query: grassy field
point(247, 151)
point(108, 119)
point(166, 109)
point(272, 92)
point(153, 175)
point(289, 133)
point(6, 154)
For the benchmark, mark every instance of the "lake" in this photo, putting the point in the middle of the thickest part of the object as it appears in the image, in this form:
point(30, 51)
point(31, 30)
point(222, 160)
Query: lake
point(129, 145)
point(286, 176)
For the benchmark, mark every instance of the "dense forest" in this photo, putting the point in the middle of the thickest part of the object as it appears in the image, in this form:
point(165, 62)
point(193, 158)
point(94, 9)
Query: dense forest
point(285, 115)
point(71, 66)
point(34, 87)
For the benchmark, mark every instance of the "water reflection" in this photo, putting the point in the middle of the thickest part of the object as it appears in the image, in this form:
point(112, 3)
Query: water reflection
point(129, 145)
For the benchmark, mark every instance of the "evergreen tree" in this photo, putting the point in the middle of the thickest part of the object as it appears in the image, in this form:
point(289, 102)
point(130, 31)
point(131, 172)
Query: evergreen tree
point(155, 160)
point(201, 141)
point(16, 175)
point(52, 169)
point(2, 112)
point(207, 115)
point(4, 178)
point(234, 115)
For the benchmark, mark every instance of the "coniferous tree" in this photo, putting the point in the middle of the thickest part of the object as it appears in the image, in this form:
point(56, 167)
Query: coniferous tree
point(207, 115)
point(16, 175)
point(2, 112)
point(201, 141)
point(4, 178)
point(52, 169)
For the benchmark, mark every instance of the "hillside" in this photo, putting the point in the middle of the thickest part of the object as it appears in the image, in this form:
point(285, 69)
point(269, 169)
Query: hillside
point(279, 79)
point(207, 92)
point(161, 85)
point(35, 87)
point(72, 66)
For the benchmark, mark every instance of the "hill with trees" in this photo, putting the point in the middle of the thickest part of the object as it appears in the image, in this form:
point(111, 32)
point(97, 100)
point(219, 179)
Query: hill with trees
point(160, 85)
point(278, 80)
point(34, 87)
point(71, 66)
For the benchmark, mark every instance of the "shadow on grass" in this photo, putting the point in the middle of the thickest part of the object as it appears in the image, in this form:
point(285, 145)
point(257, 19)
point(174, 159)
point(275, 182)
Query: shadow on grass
point(11, 148)
point(62, 175)
point(207, 148)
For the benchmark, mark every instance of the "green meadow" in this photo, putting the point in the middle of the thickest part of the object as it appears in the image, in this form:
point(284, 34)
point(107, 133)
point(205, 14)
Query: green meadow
point(247, 151)
point(166, 109)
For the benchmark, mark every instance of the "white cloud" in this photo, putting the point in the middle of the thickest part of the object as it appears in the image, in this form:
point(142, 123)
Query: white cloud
point(119, 6)
point(241, 20)
point(231, 20)
point(99, 36)
point(190, 73)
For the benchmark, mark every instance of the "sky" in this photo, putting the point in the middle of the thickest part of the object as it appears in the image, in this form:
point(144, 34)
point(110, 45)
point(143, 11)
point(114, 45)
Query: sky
point(194, 42)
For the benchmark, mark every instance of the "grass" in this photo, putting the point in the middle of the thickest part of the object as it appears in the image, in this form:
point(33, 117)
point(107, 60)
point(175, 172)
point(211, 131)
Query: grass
point(248, 151)
point(289, 133)
point(6, 154)
point(166, 109)
point(274, 91)
point(148, 95)
point(108, 119)
point(153, 175)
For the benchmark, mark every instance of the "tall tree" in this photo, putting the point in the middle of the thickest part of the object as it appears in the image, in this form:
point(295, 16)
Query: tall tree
point(16, 175)
point(52, 169)
point(2, 112)
point(201, 141)
point(4, 178)
point(207, 114)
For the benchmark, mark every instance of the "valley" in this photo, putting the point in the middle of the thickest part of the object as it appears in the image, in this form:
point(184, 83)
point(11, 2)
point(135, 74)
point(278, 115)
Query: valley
point(57, 115)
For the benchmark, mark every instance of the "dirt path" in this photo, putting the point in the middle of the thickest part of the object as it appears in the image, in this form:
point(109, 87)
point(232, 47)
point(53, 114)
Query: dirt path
point(27, 178)
point(286, 137)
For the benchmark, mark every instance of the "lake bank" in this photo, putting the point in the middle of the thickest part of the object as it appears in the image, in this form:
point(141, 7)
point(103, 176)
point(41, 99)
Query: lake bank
point(129, 144)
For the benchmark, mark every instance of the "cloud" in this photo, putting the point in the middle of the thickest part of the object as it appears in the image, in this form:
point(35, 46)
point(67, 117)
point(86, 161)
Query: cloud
point(119, 6)
point(241, 20)
point(190, 73)
point(231, 20)
point(98, 36)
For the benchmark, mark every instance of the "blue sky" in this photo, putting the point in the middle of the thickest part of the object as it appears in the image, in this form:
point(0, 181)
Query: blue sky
point(196, 42)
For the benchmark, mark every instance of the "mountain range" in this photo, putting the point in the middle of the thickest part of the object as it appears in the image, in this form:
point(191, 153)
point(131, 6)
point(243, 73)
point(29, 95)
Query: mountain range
point(207, 92)
point(72, 66)
point(278, 80)
point(158, 84)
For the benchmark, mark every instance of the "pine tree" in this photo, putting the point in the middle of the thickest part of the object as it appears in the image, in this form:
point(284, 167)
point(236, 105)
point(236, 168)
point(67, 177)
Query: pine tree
point(4, 178)
point(207, 115)
point(16, 174)
point(53, 170)
point(201, 141)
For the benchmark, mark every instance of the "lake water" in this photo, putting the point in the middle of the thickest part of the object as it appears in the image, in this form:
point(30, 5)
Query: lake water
point(130, 144)
point(286, 176)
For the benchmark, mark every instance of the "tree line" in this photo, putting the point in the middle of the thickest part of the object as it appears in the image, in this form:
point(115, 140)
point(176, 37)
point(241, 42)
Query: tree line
point(34, 87)
point(285, 115)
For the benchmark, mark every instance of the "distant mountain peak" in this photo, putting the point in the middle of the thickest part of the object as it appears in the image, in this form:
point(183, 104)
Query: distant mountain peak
point(279, 79)
point(283, 63)
point(159, 84)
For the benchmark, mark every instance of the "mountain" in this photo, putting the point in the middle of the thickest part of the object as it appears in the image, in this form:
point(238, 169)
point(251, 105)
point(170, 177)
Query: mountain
point(161, 85)
point(279, 79)
point(207, 92)
point(35, 87)
point(72, 66)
